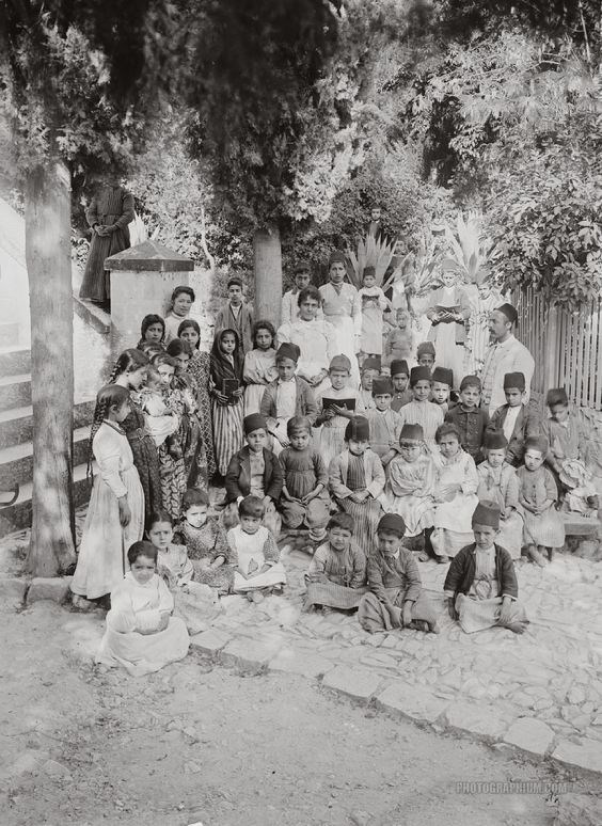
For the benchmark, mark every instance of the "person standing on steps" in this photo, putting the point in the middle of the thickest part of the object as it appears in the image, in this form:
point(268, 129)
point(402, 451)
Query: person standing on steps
point(505, 355)
point(109, 213)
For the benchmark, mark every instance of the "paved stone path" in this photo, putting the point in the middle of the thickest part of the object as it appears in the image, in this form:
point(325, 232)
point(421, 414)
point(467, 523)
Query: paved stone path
point(540, 692)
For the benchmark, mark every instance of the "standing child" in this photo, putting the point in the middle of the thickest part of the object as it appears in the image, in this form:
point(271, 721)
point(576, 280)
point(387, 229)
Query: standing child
point(115, 516)
point(400, 376)
point(498, 483)
point(205, 542)
point(455, 495)
point(398, 343)
point(337, 573)
point(152, 332)
point(182, 300)
point(199, 370)
point(410, 483)
point(357, 479)
point(544, 528)
point(479, 335)
point(260, 365)
point(337, 403)
point(448, 313)
point(342, 308)
point(470, 419)
point(235, 315)
point(442, 383)
point(426, 354)
point(255, 470)
point(420, 410)
point(481, 588)
point(286, 397)
point(567, 453)
point(370, 371)
point(396, 598)
point(373, 305)
point(141, 634)
point(514, 418)
point(258, 571)
point(227, 392)
point(290, 299)
point(385, 424)
point(305, 499)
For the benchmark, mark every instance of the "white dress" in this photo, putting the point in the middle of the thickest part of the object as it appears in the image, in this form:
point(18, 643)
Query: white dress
point(249, 549)
point(453, 519)
point(317, 341)
point(136, 608)
point(342, 308)
point(102, 559)
point(329, 439)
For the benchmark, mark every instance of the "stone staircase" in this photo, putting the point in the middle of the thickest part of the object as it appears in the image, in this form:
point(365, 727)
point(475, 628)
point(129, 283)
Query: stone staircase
point(16, 433)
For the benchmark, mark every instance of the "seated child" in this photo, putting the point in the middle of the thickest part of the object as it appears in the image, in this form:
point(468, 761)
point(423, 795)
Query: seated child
point(254, 470)
point(544, 527)
point(481, 589)
point(455, 495)
point(400, 376)
point(356, 479)
point(337, 573)
point(373, 303)
point(141, 634)
point(395, 598)
point(286, 397)
point(305, 499)
point(260, 365)
point(370, 371)
point(195, 603)
point(498, 483)
point(333, 418)
point(398, 344)
point(420, 410)
point(515, 419)
point(384, 423)
point(425, 355)
point(411, 483)
point(160, 421)
point(205, 542)
point(567, 453)
point(442, 382)
point(258, 571)
point(470, 419)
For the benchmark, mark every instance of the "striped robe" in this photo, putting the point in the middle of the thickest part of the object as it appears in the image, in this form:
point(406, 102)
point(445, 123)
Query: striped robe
point(226, 418)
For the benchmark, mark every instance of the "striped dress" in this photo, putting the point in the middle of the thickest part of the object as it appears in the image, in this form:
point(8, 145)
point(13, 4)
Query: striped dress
point(112, 206)
point(226, 418)
point(430, 416)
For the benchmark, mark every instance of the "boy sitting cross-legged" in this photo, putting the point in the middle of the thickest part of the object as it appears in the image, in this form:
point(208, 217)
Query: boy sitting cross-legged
point(395, 598)
point(337, 573)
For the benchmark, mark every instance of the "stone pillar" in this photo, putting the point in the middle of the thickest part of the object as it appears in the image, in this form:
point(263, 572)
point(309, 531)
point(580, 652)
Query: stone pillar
point(142, 281)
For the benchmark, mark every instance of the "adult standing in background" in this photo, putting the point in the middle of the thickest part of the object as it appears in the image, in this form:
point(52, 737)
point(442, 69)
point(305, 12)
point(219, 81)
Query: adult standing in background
point(342, 308)
point(109, 213)
point(505, 355)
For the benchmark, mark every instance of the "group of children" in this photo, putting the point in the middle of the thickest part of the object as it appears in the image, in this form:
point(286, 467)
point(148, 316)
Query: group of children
point(311, 455)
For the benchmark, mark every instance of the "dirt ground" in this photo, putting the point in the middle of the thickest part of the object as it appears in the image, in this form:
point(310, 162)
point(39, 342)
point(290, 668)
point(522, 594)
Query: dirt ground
point(198, 743)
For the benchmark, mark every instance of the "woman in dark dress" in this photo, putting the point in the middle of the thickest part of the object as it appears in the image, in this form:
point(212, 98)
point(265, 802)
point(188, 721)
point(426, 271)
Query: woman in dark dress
point(109, 213)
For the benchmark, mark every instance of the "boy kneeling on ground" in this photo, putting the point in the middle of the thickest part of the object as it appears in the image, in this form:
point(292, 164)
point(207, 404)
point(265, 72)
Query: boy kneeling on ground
point(396, 598)
point(481, 588)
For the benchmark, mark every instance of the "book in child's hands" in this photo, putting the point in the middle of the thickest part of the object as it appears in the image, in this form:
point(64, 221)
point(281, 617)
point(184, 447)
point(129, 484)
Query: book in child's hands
point(348, 404)
point(230, 387)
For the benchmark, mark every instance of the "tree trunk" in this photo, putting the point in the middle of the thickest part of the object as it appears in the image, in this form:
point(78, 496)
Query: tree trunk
point(48, 256)
point(267, 254)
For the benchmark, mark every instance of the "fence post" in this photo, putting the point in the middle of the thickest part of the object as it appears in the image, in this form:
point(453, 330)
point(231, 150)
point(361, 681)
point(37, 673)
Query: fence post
point(550, 367)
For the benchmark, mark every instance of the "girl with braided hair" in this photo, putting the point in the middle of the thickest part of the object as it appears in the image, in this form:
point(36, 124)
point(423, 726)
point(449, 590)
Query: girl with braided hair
point(115, 517)
point(130, 372)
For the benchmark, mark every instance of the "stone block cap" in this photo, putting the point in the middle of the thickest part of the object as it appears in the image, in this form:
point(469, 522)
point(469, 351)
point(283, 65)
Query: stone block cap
point(149, 256)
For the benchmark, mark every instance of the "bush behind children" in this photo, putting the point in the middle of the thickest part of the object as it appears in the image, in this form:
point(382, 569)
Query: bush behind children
point(372, 476)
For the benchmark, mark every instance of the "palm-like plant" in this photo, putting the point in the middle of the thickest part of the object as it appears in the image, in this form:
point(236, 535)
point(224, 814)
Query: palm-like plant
point(372, 252)
point(470, 249)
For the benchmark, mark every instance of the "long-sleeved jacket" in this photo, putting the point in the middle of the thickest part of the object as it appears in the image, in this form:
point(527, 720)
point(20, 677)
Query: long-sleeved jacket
point(388, 572)
point(243, 324)
point(527, 424)
point(238, 477)
point(472, 425)
point(508, 357)
point(462, 570)
point(373, 469)
point(305, 404)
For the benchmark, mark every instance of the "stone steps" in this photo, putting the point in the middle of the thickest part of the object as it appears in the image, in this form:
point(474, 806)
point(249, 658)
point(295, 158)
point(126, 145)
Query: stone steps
point(16, 462)
point(15, 391)
point(14, 361)
point(18, 516)
point(16, 425)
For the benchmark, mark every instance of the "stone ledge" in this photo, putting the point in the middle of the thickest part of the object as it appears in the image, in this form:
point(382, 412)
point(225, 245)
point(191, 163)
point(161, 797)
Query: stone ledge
point(413, 702)
point(585, 755)
point(12, 592)
point(254, 654)
point(55, 589)
point(309, 665)
point(479, 721)
point(354, 682)
point(210, 642)
point(531, 736)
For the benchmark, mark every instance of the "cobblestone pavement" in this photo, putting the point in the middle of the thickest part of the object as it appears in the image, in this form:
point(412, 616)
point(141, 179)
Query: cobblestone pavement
point(540, 692)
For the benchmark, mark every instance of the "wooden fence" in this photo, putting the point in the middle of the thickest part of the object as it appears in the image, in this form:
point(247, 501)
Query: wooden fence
point(567, 348)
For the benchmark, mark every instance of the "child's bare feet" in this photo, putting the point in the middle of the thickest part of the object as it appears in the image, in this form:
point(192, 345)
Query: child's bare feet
point(516, 627)
point(257, 596)
point(535, 556)
point(434, 628)
point(549, 551)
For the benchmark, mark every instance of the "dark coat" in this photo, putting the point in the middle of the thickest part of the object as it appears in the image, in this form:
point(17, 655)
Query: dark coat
point(527, 425)
point(238, 477)
point(463, 568)
point(472, 425)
